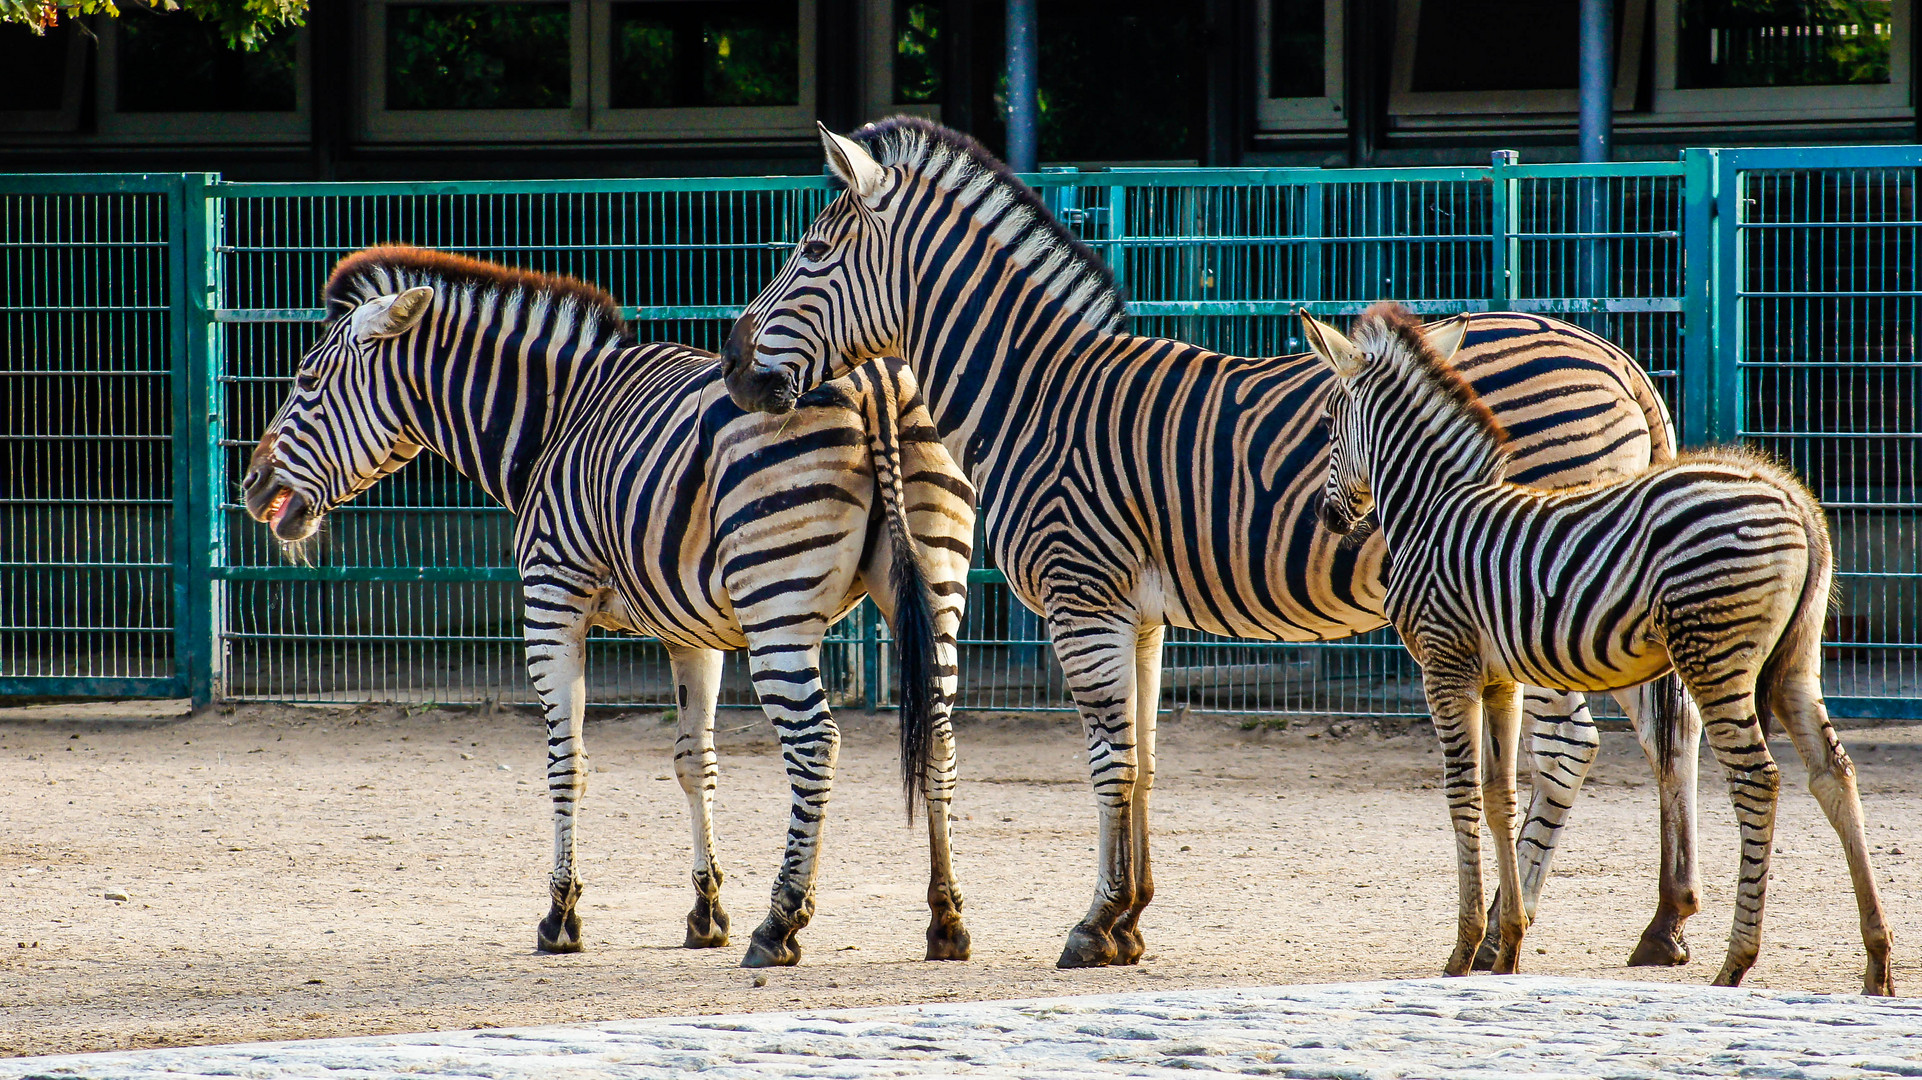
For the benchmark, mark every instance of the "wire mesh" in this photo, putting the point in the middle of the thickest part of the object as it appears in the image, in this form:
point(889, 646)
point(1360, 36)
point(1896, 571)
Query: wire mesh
point(1827, 291)
point(86, 429)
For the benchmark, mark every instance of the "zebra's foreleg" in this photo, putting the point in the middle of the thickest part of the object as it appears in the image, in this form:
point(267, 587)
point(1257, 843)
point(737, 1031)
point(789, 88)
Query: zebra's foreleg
point(555, 624)
point(1675, 765)
point(1127, 932)
point(1563, 737)
point(1502, 712)
point(1098, 659)
point(1455, 703)
point(787, 677)
point(697, 688)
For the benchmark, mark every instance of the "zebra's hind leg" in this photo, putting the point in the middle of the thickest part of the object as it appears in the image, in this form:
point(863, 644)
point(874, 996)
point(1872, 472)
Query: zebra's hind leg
point(555, 625)
point(1797, 702)
point(787, 676)
point(1127, 932)
point(1564, 740)
point(1097, 657)
point(697, 688)
point(1663, 712)
point(1727, 700)
point(947, 936)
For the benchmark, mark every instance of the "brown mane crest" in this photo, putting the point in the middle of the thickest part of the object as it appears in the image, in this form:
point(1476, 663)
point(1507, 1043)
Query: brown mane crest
point(1398, 322)
point(377, 271)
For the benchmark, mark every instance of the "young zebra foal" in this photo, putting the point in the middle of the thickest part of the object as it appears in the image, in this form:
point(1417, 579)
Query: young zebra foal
point(1717, 564)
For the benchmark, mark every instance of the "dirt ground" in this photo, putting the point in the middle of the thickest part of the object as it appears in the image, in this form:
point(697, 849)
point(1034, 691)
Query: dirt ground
point(295, 873)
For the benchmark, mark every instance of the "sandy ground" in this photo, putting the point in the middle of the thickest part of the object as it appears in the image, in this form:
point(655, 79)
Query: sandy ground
point(295, 873)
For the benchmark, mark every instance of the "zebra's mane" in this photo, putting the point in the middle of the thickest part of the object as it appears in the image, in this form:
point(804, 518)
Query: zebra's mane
point(380, 271)
point(1010, 209)
point(1388, 329)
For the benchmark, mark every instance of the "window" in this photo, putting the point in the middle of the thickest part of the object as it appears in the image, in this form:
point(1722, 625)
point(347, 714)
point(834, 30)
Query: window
point(41, 77)
point(1796, 59)
point(1470, 58)
point(540, 69)
point(172, 76)
point(917, 52)
point(1298, 64)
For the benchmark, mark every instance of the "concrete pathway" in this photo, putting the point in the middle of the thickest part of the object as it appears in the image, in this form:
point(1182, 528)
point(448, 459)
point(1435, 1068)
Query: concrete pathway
point(1434, 1028)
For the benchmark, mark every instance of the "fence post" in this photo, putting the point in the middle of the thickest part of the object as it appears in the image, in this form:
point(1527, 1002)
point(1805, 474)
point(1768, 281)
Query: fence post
point(1700, 310)
point(197, 426)
point(1501, 225)
point(870, 656)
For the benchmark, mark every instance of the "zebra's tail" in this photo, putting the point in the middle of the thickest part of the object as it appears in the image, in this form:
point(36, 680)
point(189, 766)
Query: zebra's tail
point(1668, 702)
point(914, 632)
point(1801, 640)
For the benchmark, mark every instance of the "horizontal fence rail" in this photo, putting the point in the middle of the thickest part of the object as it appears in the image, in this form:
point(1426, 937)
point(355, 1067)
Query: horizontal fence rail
point(150, 325)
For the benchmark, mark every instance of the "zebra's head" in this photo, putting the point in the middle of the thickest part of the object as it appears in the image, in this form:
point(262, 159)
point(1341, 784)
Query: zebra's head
point(335, 434)
point(827, 310)
point(1348, 498)
point(925, 210)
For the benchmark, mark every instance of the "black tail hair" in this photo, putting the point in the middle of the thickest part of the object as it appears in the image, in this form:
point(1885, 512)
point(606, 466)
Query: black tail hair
point(913, 599)
point(1669, 700)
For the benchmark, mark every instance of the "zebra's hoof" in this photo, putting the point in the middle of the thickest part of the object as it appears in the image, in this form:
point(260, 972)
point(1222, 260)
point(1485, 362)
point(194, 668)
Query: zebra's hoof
point(1878, 982)
point(706, 927)
point(773, 945)
point(1087, 947)
point(1128, 946)
point(560, 932)
point(1657, 949)
point(1730, 975)
point(948, 941)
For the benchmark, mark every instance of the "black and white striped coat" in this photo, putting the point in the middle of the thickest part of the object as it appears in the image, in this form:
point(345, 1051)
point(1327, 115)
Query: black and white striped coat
point(1717, 564)
point(645, 501)
point(1128, 483)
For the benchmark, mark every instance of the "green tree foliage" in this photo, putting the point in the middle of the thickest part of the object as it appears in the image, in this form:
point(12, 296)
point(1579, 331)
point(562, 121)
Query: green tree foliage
point(245, 24)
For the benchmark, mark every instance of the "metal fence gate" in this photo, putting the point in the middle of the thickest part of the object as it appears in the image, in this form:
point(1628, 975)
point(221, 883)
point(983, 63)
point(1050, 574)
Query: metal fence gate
point(149, 326)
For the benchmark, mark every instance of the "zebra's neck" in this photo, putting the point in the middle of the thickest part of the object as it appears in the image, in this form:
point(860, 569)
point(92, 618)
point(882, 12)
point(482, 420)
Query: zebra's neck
point(490, 385)
point(1426, 448)
point(987, 347)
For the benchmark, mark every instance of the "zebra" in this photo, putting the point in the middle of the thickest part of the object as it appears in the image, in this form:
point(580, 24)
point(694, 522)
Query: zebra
point(1129, 483)
point(1717, 564)
point(646, 502)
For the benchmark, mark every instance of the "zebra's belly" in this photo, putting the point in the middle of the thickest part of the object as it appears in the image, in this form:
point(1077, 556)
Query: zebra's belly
point(1558, 665)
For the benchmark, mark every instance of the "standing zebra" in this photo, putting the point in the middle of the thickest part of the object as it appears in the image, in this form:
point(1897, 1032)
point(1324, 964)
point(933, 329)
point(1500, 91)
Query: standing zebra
point(646, 502)
point(1130, 483)
point(1717, 563)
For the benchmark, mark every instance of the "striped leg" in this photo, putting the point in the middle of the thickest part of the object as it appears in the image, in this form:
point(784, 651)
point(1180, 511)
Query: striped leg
point(1728, 718)
point(1680, 891)
point(1798, 704)
point(697, 686)
point(1563, 736)
point(555, 624)
point(785, 663)
point(1098, 659)
point(1502, 711)
point(947, 936)
point(1127, 932)
point(1454, 702)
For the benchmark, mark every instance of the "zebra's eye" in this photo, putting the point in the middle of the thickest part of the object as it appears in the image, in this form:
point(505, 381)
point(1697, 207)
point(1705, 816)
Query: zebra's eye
point(307, 382)
point(815, 250)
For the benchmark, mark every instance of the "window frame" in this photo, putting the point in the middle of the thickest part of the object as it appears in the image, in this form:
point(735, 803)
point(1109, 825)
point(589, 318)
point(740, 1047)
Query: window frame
point(877, 67)
point(1473, 106)
point(1890, 100)
point(113, 125)
point(1327, 112)
point(590, 116)
point(66, 118)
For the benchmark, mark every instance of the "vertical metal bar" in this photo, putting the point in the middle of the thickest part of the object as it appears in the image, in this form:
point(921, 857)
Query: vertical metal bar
point(1725, 384)
point(1502, 229)
point(1024, 112)
point(870, 656)
point(1700, 301)
point(1313, 285)
point(1597, 120)
point(196, 242)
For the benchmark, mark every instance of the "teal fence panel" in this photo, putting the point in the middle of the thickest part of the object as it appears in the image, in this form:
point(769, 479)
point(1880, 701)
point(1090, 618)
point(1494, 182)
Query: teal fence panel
point(1819, 302)
point(150, 324)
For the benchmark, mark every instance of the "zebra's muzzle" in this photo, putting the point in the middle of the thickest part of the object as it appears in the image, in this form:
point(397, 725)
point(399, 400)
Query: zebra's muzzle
point(1334, 518)
point(753, 386)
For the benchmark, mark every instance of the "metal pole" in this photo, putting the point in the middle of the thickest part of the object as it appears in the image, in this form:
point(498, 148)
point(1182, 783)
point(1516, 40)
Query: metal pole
point(1023, 102)
point(1598, 79)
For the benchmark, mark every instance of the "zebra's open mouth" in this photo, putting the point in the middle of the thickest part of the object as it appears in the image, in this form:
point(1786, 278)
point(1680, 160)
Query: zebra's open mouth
point(278, 505)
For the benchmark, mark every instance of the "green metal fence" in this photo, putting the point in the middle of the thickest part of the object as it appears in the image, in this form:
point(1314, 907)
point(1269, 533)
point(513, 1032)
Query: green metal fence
point(149, 326)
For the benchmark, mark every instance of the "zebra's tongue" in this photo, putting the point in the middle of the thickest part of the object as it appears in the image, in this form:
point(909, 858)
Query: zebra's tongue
point(282, 499)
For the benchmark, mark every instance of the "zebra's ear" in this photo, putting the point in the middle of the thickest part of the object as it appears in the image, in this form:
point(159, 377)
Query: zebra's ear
point(1332, 346)
point(853, 164)
point(1446, 336)
point(391, 316)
